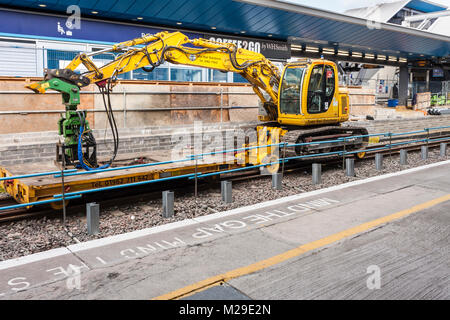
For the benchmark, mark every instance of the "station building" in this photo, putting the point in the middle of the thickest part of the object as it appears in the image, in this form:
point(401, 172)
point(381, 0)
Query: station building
point(424, 15)
point(48, 34)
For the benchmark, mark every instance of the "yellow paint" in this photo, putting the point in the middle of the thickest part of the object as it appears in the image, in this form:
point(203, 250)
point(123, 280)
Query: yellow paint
point(360, 155)
point(374, 140)
point(260, 265)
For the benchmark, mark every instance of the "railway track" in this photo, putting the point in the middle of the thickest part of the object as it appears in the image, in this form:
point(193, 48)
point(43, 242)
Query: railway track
point(153, 191)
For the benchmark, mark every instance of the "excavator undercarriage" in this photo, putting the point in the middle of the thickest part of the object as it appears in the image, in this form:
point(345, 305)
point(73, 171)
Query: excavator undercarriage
point(324, 134)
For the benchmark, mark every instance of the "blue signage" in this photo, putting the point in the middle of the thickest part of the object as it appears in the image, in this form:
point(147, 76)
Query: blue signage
point(438, 73)
point(59, 28)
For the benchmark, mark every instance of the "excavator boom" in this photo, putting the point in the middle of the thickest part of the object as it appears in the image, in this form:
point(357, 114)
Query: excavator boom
point(177, 48)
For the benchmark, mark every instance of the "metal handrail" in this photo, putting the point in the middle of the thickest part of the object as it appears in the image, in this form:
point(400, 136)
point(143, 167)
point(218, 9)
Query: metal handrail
point(133, 184)
point(32, 175)
point(21, 205)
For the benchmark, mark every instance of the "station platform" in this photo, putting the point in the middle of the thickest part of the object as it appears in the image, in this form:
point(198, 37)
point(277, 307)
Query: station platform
point(325, 244)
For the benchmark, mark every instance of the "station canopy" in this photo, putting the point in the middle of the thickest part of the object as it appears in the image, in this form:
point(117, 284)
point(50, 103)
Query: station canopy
point(278, 20)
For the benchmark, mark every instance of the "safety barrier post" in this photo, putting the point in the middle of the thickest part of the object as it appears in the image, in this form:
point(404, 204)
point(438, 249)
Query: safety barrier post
point(167, 203)
point(316, 173)
point(403, 157)
point(93, 218)
point(443, 149)
point(226, 190)
point(276, 181)
point(350, 167)
point(379, 161)
point(424, 150)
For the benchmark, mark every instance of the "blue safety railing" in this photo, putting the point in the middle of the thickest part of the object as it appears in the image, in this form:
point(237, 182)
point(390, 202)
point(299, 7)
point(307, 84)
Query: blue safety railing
point(343, 153)
point(21, 205)
point(33, 175)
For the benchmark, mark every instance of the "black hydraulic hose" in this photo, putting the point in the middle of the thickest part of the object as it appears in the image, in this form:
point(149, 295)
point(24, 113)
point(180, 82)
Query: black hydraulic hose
point(158, 62)
point(116, 141)
point(105, 91)
point(90, 140)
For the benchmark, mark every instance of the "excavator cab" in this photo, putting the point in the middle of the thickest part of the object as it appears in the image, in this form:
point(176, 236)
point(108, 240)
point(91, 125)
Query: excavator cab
point(309, 95)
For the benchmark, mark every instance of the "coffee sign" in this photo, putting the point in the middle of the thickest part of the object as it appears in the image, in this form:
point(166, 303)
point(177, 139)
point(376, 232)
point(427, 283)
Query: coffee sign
point(270, 49)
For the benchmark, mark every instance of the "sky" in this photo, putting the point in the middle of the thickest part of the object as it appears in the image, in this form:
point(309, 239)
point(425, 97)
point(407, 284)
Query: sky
point(341, 5)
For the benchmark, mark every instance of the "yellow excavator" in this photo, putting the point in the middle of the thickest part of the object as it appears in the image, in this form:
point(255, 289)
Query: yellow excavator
point(302, 104)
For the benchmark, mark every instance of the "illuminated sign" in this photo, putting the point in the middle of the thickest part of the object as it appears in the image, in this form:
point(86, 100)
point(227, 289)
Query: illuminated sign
point(270, 49)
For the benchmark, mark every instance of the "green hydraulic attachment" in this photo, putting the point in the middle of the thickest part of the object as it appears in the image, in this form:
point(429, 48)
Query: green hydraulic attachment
point(69, 125)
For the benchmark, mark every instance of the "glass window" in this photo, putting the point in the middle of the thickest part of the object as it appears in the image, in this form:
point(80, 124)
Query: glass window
point(57, 59)
point(321, 89)
point(125, 76)
point(237, 78)
point(156, 74)
point(217, 76)
point(291, 89)
point(178, 74)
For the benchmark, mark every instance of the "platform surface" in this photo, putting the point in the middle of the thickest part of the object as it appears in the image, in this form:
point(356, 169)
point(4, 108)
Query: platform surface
point(333, 243)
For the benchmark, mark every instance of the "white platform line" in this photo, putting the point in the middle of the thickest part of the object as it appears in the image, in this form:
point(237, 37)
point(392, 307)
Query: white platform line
point(34, 258)
point(189, 222)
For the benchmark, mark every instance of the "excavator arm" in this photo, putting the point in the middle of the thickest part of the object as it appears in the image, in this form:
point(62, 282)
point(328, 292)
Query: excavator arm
point(147, 52)
point(177, 48)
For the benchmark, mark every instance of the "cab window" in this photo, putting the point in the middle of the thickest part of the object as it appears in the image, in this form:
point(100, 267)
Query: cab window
point(321, 89)
point(291, 88)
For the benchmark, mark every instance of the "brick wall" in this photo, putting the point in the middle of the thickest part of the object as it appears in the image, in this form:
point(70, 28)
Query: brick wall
point(135, 104)
point(36, 147)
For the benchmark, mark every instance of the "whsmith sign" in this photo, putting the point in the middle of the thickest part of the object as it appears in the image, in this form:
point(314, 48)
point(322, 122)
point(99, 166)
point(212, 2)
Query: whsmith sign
point(270, 49)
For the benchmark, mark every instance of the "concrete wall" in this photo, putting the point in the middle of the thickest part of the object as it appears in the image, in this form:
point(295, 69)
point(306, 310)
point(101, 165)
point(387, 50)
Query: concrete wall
point(22, 148)
point(23, 111)
point(362, 101)
point(136, 104)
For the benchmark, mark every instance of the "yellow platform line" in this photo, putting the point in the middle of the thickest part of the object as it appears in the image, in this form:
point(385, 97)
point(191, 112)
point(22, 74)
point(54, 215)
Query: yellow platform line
point(260, 265)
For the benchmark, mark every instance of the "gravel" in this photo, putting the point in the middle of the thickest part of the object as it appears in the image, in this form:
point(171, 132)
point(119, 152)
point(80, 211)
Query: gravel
point(34, 235)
